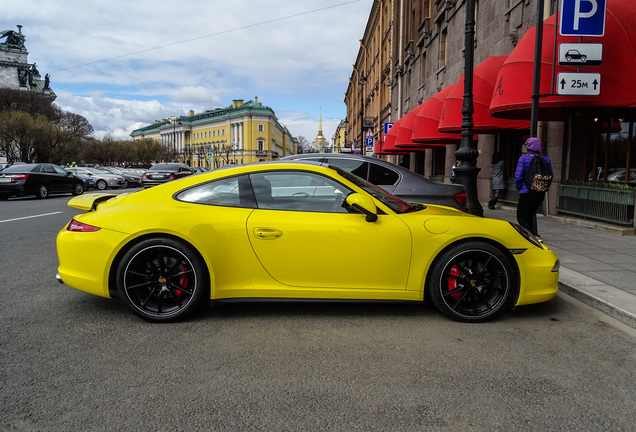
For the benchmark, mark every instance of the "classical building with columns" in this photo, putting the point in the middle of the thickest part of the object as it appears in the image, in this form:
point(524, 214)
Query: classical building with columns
point(242, 133)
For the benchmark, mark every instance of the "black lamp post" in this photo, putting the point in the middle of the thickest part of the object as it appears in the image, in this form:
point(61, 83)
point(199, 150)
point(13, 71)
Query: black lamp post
point(345, 134)
point(466, 172)
point(361, 82)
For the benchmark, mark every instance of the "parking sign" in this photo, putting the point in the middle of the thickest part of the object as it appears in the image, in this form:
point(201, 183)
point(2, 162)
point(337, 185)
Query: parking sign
point(582, 18)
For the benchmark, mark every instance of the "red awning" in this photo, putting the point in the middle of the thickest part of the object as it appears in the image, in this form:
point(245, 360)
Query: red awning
point(513, 88)
point(425, 132)
point(484, 76)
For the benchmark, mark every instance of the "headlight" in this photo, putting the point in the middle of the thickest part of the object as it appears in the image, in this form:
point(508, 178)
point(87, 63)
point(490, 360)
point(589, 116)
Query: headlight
point(527, 235)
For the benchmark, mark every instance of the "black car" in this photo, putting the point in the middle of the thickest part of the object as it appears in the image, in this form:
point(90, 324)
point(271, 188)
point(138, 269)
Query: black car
point(394, 179)
point(40, 179)
point(164, 172)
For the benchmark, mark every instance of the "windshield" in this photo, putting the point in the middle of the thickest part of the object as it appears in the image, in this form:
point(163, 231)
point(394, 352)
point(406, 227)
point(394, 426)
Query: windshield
point(394, 203)
point(165, 167)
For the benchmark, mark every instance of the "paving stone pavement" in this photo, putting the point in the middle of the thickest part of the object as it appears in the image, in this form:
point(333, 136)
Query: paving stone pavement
point(598, 260)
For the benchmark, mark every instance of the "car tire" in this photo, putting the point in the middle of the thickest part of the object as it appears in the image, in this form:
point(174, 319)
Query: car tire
point(42, 191)
point(163, 280)
point(101, 184)
point(125, 185)
point(471, 282)
point(78, 189)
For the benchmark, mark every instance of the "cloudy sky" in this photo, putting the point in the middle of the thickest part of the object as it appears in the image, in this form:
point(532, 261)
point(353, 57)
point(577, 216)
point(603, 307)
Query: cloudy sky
point(125, 64)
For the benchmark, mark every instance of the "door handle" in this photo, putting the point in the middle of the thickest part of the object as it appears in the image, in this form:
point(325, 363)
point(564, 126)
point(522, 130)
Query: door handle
point(267, 233)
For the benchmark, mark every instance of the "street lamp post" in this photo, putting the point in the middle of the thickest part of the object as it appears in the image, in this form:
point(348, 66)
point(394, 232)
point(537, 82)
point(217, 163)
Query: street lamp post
point(466, 172)
point(361, 82)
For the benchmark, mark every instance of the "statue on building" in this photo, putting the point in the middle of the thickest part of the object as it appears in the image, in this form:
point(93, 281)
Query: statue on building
point(22, 76)
point(14, 40)
point(34, 70)
point(47, 81)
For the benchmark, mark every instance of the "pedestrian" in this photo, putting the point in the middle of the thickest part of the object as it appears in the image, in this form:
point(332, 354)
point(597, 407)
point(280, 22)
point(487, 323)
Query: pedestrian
point(498, 183)
point(452, 176)
point(529, 200)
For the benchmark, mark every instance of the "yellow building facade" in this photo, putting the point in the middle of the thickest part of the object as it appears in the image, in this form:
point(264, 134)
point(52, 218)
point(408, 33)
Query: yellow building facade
point(239, 134)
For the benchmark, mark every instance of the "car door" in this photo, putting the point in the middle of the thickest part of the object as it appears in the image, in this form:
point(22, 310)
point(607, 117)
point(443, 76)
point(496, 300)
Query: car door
point(54, 180)
point(304, 237)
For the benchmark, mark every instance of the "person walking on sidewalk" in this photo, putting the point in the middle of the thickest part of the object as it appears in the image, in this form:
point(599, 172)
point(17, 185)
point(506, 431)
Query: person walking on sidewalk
point(529, 200)
point(498, 182)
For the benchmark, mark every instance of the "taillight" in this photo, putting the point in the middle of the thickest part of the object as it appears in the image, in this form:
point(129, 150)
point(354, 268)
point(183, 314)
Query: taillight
point(460, 198)
point(17, 177)
point(76, 226)
point(173, 176)
point(143, 175)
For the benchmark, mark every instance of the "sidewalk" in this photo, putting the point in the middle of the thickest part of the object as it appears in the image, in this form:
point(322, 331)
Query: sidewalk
point(598, 261)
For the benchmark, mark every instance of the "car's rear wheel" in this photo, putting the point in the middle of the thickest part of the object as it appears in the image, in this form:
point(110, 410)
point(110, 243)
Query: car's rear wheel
point(162, 280)
point(42, 191)
point(471, 282)
point(125, 185)
point(78, 189)
point(101, 184)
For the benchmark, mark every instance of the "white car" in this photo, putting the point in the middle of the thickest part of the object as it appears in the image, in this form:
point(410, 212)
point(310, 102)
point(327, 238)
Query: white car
point(103, 180)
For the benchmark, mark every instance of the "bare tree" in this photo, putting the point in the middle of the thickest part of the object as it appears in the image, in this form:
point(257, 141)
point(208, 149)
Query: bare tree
point(304, 146)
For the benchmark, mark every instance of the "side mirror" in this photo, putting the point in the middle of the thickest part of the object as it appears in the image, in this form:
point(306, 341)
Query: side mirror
point(364, 204)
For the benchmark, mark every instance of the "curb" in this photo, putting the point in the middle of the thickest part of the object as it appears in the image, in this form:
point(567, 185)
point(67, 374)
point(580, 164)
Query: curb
point(615, 312)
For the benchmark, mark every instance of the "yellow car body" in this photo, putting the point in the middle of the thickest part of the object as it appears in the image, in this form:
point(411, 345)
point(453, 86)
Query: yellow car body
point(256, 252)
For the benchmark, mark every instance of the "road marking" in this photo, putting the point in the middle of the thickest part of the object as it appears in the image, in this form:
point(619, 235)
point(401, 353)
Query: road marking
point(29, 217)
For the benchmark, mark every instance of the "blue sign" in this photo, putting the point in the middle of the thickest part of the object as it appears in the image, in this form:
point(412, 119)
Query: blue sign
point(387, 127)
point(582, 18)
point(368, 142)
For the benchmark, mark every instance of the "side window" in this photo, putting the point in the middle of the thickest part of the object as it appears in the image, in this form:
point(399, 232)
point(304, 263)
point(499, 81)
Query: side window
point(59, 170)
point(47, 169)
point(356, 167)
point(229, 192)
point(382, 176)
point(298, 191)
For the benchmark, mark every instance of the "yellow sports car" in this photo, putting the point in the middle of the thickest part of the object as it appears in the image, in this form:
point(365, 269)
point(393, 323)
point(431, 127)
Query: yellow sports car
point(292, 230)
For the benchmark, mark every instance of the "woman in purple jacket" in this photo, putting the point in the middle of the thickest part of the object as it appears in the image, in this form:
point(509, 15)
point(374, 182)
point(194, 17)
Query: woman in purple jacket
point(529, 201)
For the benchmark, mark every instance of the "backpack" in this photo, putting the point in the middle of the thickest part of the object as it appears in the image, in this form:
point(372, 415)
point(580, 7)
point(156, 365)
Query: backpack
point(538, 177)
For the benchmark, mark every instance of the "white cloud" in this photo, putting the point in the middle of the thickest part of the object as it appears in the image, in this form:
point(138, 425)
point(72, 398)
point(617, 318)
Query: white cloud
point(125, 64)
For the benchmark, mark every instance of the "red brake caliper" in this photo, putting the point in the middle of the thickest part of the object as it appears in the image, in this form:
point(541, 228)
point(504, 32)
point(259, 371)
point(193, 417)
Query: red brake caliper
point(183, 282)
point(452, 282)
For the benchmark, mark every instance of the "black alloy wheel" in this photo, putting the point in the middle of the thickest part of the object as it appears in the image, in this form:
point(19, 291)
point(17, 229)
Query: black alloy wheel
point(101, 184)
point(162, 280)
point(42, 191)
point(471, 282)
point(78, 189)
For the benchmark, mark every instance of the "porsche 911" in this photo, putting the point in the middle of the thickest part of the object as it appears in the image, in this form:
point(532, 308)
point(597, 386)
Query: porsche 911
point(293, 230)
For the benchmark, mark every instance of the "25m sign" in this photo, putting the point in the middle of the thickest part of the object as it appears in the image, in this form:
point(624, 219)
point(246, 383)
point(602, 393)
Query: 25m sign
point(579, 84)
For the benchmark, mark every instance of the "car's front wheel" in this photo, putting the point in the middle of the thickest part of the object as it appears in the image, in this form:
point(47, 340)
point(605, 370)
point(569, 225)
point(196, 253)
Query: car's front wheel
point(101, 184)
point(78, 189)
point(162, 280)
point(471, 282)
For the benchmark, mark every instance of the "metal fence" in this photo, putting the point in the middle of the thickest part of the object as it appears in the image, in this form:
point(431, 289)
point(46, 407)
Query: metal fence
point(610, 205)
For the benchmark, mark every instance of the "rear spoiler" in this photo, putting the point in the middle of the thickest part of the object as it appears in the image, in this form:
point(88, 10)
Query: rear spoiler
point(89, 202)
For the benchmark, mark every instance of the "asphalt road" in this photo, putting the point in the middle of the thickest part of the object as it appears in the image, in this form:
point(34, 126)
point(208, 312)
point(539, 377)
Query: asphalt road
point(73, 362)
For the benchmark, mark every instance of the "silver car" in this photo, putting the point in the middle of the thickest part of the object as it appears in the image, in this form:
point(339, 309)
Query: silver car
point(103, 180)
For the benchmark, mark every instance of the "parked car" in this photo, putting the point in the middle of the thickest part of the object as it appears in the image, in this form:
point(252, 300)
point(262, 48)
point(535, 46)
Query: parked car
point(40, 180)
point(164, 172)
point(394, 179)
point(265, 230)
point(132, 178)
point(618, 175)
point(103, 180)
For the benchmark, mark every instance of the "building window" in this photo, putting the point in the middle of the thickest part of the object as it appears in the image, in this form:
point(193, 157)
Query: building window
point(261, 128)
point(442, 49)
point(261, 145)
